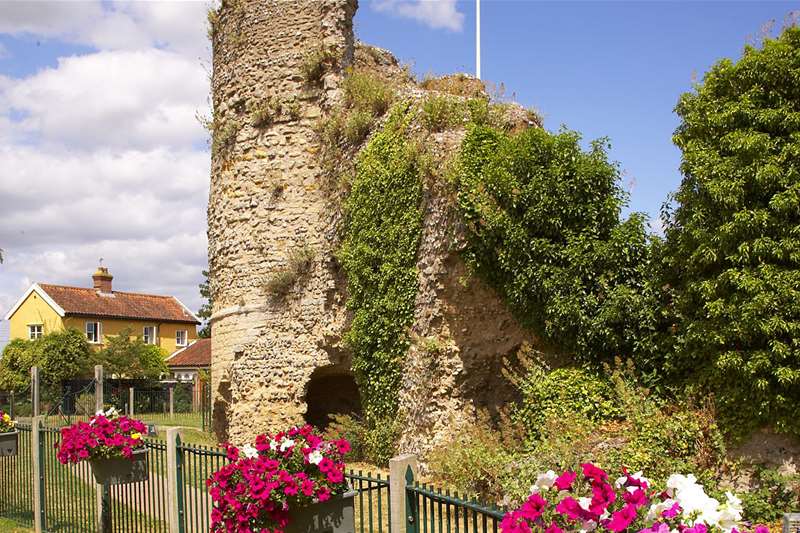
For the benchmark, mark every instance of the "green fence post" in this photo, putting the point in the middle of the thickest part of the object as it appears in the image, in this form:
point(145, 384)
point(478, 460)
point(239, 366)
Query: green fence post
point(412, 504)
point(179, 497)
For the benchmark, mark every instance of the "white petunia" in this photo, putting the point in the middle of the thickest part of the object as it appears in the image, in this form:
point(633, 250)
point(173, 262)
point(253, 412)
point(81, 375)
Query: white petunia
point(584, 503)
point(249, 451)
point(286, 444)
point(273, 445)
point(545, 481)
point(315, 457)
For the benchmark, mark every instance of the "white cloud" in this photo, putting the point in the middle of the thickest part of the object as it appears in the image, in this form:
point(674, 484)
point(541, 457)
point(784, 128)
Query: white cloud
point(139, 99)
point(176, 25)
point(438, 14)
point(101, 155)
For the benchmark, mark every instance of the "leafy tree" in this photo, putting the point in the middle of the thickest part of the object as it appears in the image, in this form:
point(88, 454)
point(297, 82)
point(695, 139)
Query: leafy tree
point(732, 250)
point(544, 229)
point(206, 309)
point(60, 355)
point(15, 365)
point(129, 357)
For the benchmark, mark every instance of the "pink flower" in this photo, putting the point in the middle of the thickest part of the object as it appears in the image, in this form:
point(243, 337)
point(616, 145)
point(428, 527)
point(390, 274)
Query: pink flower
point(592, 472)
point(620, 520)
point(564, 481)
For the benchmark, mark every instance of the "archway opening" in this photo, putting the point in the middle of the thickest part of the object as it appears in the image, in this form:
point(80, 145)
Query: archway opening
point(331, 391)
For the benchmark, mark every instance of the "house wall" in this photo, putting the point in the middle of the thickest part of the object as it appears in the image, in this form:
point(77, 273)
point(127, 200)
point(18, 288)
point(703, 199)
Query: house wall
point(165, 330)
point(34, 310)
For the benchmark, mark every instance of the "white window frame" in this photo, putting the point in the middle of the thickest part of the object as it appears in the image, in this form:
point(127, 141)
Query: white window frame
point(98, 331)
point(33, 334)
point(185, 341)
point(147, 338)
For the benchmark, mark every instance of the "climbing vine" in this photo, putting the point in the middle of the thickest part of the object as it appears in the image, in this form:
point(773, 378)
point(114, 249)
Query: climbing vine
point(383, 223)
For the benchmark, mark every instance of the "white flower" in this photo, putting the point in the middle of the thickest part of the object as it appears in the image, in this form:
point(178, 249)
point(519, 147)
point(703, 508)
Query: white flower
point(315, 457)
point(545, 481)
point(621, 481)
point(588, 525)
point(584, 503)
point(111, 413)
point(657, 508)
point(249, 451)
point(273, 445)
point(286, 444)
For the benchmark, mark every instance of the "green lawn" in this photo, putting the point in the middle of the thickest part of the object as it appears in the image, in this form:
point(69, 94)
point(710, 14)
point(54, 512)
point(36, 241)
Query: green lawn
point(11, 527)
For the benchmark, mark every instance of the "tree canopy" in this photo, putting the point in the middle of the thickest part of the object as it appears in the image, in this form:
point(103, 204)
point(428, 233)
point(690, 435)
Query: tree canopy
point(60, 355)
point(129, 357)
point(732, 249)
point(544, 229)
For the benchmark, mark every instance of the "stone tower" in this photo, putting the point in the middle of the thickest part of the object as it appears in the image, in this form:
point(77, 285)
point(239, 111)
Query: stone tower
point(280, 361)
point(265, 202)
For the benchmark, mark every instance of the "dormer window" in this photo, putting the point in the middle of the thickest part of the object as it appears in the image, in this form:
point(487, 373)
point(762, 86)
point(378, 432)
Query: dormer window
point(149, 335)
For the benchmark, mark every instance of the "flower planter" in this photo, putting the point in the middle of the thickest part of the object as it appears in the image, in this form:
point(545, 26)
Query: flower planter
point(9, 443)
point(333, 516)
point(118, 471)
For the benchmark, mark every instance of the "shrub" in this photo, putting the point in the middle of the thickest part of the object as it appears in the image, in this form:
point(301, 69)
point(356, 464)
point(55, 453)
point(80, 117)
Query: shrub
point(367, 92)
point(771, 495)
point(374, 443)
point(316, 64)
point(478, 459)
point(298, 264)
point(357, 127)
point(440, 113)
point(265, 112)
point(561, 392)
point(223, 136)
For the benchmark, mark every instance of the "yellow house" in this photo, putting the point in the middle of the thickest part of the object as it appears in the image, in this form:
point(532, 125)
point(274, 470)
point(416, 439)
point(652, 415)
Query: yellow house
point(101, 312)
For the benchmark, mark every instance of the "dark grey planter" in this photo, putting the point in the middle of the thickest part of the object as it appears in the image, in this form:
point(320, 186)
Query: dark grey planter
point(119, 470)
point(9, 443)
point(333, 516)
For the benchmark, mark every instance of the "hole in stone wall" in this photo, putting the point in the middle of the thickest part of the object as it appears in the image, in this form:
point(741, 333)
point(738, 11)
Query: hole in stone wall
point(331, 391)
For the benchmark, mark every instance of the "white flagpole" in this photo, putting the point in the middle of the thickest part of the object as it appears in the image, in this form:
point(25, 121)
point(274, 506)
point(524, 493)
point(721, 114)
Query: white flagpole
point(478, 39)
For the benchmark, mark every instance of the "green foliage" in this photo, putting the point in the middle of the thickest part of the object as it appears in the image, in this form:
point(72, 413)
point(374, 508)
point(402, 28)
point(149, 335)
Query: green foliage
point(771, 494)
point(374, 442)
point(562, 392)
point(298, 264)
point(478, 459)
point(223, 136)
point(316, 64)
point(357, 127)
point(367, 92)
point(60, 355)
point(265, 111)
point(383, 224)
point(544, 229)
point(440, 113)
point(15, 365)
point(206, 309)
point(732, 251)
point(129, 357)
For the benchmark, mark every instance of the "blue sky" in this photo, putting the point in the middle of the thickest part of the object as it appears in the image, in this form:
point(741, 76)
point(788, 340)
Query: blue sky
point(611, 69)
point(101, 154)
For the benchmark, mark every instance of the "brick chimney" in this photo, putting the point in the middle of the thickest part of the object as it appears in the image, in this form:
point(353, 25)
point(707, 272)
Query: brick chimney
point(102, 280)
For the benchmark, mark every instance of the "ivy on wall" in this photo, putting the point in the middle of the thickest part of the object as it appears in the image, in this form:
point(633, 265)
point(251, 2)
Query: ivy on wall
point(383, 224)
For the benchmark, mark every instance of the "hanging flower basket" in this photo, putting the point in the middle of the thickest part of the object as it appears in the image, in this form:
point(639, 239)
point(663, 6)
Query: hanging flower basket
point(333, 516)
point(9, 436)
point(120, 470)
point(292, 482)
point(112, 445)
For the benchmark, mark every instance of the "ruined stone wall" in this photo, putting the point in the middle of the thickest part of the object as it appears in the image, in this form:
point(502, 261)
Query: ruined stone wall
point(268, 196)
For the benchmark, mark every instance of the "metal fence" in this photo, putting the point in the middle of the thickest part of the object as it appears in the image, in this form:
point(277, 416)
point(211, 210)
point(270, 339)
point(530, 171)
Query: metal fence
point(430, 510)
point(142, 506)
point(16, 482)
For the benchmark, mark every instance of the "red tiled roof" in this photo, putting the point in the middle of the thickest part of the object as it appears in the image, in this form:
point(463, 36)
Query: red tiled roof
point(89, 302)
point(197, 354)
